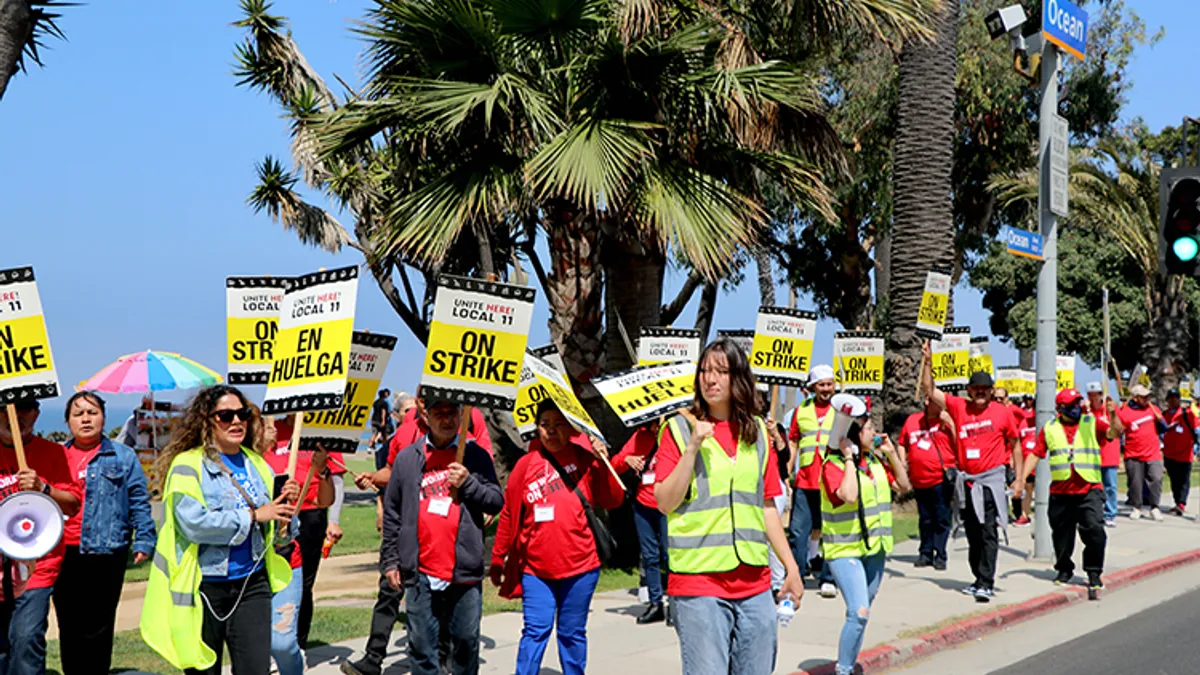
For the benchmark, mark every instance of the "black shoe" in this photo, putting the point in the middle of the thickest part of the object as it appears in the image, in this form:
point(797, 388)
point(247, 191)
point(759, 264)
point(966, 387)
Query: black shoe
point(923, 561)
point(815, 565)
point(1094, 586)
point(670, 615)
point(359, 668)
point(970, 590)
point(1063, 578)
point(939, 564)
point(653, 614)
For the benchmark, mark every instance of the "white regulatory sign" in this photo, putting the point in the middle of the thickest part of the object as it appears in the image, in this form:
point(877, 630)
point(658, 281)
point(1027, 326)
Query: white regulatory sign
point(1059, 166)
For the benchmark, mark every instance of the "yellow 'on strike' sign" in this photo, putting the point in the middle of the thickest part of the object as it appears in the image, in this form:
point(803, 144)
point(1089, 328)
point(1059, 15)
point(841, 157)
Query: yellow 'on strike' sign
point(931, 316)
point(783, 344)
point(251, 325)
point(951, 357)
point(26, 363)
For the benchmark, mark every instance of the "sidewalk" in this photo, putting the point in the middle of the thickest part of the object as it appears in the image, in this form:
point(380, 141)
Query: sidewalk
point(911, 602)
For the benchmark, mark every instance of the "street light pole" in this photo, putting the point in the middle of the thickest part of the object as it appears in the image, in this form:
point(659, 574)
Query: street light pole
point(1047, 300)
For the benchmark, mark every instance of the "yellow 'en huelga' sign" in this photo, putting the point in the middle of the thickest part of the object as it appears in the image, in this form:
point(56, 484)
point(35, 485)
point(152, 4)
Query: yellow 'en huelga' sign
point(560, 391)
point(531, 392)
point(341, 429)
point(783, 344)
point(1064, 372)
point(931, 316)
point(251, 324)
point(312, 347)
point(858, 361)
point(951, 357)
point(26, 363)
point(646, 393)
point(981, 356)
point(477, 342)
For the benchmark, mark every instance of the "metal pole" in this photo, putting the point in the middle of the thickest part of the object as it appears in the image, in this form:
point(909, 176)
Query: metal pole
point(1104, 358)
point(1047, 300)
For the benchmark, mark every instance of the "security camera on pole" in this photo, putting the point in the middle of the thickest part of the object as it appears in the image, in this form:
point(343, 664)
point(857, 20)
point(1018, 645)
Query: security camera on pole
point(1064, 28)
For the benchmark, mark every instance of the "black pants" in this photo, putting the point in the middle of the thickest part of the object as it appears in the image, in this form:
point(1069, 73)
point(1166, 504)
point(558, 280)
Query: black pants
point(85, 603)
point(983, 540)
point(1084, 513)
point(933, 511)
point(310, 539)
point(1180, 474)
point(246, 632)
point(383, 619)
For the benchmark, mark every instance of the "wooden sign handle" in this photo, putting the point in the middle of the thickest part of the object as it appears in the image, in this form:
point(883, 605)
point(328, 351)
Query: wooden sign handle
point(461, 451)
point(18, 444)
point(294, 445)
point(920, 378)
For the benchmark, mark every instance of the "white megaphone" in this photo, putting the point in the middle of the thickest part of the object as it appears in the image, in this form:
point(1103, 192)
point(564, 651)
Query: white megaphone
point(846, 409)
point(31, 525)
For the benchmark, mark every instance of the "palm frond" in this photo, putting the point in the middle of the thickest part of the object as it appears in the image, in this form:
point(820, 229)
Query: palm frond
point(591, 163)
point(43, 23)
point(313, 225)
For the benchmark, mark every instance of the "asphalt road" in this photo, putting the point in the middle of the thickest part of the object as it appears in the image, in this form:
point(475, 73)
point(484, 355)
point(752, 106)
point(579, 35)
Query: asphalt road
point(1161, 640)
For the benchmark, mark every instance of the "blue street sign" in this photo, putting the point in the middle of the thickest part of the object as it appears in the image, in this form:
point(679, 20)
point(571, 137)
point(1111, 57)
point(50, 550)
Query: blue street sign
point(1021, 242)
point(1065, 25)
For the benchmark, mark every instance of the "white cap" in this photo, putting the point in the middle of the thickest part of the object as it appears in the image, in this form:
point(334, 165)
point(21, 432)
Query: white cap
point(821, 372)
point(1094, 387)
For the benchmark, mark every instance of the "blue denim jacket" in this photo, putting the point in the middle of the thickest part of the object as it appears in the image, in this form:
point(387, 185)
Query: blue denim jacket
point(222, 521)
point(116, 503)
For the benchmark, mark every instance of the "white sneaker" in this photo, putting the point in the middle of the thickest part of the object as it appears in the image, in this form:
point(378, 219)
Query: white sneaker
point(1156, 515)
point(1110, 523)
point(827, 590)
point(1135, 514)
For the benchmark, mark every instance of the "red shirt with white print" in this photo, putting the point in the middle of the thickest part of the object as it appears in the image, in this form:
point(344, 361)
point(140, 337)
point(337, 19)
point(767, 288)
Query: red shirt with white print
point(49, 461)
point(929, 450)
point(641, 444)
point(437, 523)
point(1141, 433)
point(984, 438)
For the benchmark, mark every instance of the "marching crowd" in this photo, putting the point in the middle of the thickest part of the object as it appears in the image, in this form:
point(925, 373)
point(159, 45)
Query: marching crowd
point(234, 561)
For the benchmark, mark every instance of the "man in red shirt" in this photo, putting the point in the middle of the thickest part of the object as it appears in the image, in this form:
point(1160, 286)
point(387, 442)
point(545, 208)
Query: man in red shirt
point(927, 442)
point(1076, 492)
point(987, 438)
point(1179, 444)
point(1110, 449)
point(47, 472)
point(1141, 422)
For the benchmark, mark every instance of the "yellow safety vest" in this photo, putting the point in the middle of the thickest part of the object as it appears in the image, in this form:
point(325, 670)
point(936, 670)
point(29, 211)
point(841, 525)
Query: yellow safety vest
point(842, 526)
point(721, 522)
point(1083, 455)
point(172, 613)
point(812, 432)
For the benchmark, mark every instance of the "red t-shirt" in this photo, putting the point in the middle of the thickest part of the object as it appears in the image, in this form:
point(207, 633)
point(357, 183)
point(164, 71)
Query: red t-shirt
point(1075, 485)
point(1141, 433)
point(77, 463)
point(640, 444)
point(1110, 448)
point(928, 448)
point(984, 438)
point(1180, 436)
point(49, 460)
point(412, 429)
point(809, 477)
point(745, 580)
point(554, 534)
point(437, 525)
point(831, 476)
point(277, 459)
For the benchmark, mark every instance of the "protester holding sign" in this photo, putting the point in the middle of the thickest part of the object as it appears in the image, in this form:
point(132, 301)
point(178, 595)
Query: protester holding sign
point(47, 472)
point(549, 545)
point(116, 507)
point(1142, 424)
point(1179, 447)
point(717, 481)
point(928, 441)
point(220, 568)
point(987, 438)
point(807, 437)
point(639, 456)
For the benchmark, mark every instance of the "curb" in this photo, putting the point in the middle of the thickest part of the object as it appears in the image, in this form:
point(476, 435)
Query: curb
point(899, 652)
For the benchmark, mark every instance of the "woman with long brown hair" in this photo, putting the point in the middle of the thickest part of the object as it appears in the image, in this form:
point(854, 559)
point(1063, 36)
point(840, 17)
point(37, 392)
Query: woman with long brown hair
point(215, 567)
point(717, 481)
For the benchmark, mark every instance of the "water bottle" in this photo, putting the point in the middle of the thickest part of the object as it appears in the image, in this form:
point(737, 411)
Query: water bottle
point(785, 610)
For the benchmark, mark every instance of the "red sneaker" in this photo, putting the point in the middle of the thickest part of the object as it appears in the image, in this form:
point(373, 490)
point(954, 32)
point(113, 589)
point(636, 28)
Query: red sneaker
point(1023, 521)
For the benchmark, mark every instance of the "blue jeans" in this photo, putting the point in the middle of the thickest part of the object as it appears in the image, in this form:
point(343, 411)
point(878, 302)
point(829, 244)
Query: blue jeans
point(858, 579)
point(806, 515)
point(738, 637)
point(285, 609)
point(459, 608)
point(27, 634)
point(652, 539)
point(551, 602)
point(1109, 475)
point(934, 513)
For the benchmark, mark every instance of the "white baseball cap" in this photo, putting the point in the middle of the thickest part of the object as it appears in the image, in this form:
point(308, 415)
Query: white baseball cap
point(821, 372)
point(1094, 387)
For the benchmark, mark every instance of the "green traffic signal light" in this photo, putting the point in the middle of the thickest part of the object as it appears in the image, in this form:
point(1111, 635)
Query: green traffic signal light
point(1185, 248)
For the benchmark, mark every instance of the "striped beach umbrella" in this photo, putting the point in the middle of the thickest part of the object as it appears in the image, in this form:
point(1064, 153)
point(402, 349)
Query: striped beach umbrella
point(148, 372)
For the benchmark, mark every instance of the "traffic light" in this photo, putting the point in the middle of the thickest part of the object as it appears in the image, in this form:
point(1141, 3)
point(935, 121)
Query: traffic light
point(1179, 221)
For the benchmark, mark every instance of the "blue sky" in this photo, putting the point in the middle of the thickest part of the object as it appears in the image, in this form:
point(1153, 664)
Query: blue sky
point(127, 161)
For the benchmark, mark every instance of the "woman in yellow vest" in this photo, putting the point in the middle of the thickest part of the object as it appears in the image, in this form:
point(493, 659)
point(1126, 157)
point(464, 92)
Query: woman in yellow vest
point(716, 483)
point(856, 526)
point(214, 566)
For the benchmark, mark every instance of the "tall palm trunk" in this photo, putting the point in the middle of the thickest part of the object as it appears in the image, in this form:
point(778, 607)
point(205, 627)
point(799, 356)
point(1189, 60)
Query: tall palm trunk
point(766, 279)
point(575, 290)
point(1166, 342)
point(923, 226)
point(633, 288)
point(16, 27)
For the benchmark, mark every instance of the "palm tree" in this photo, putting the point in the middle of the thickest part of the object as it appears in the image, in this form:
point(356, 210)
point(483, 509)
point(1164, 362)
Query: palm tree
point(923, 223)
point(1114, 189)
point(23, 25)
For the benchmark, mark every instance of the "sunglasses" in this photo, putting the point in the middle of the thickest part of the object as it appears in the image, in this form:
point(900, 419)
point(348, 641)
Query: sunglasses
point(226, 416)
